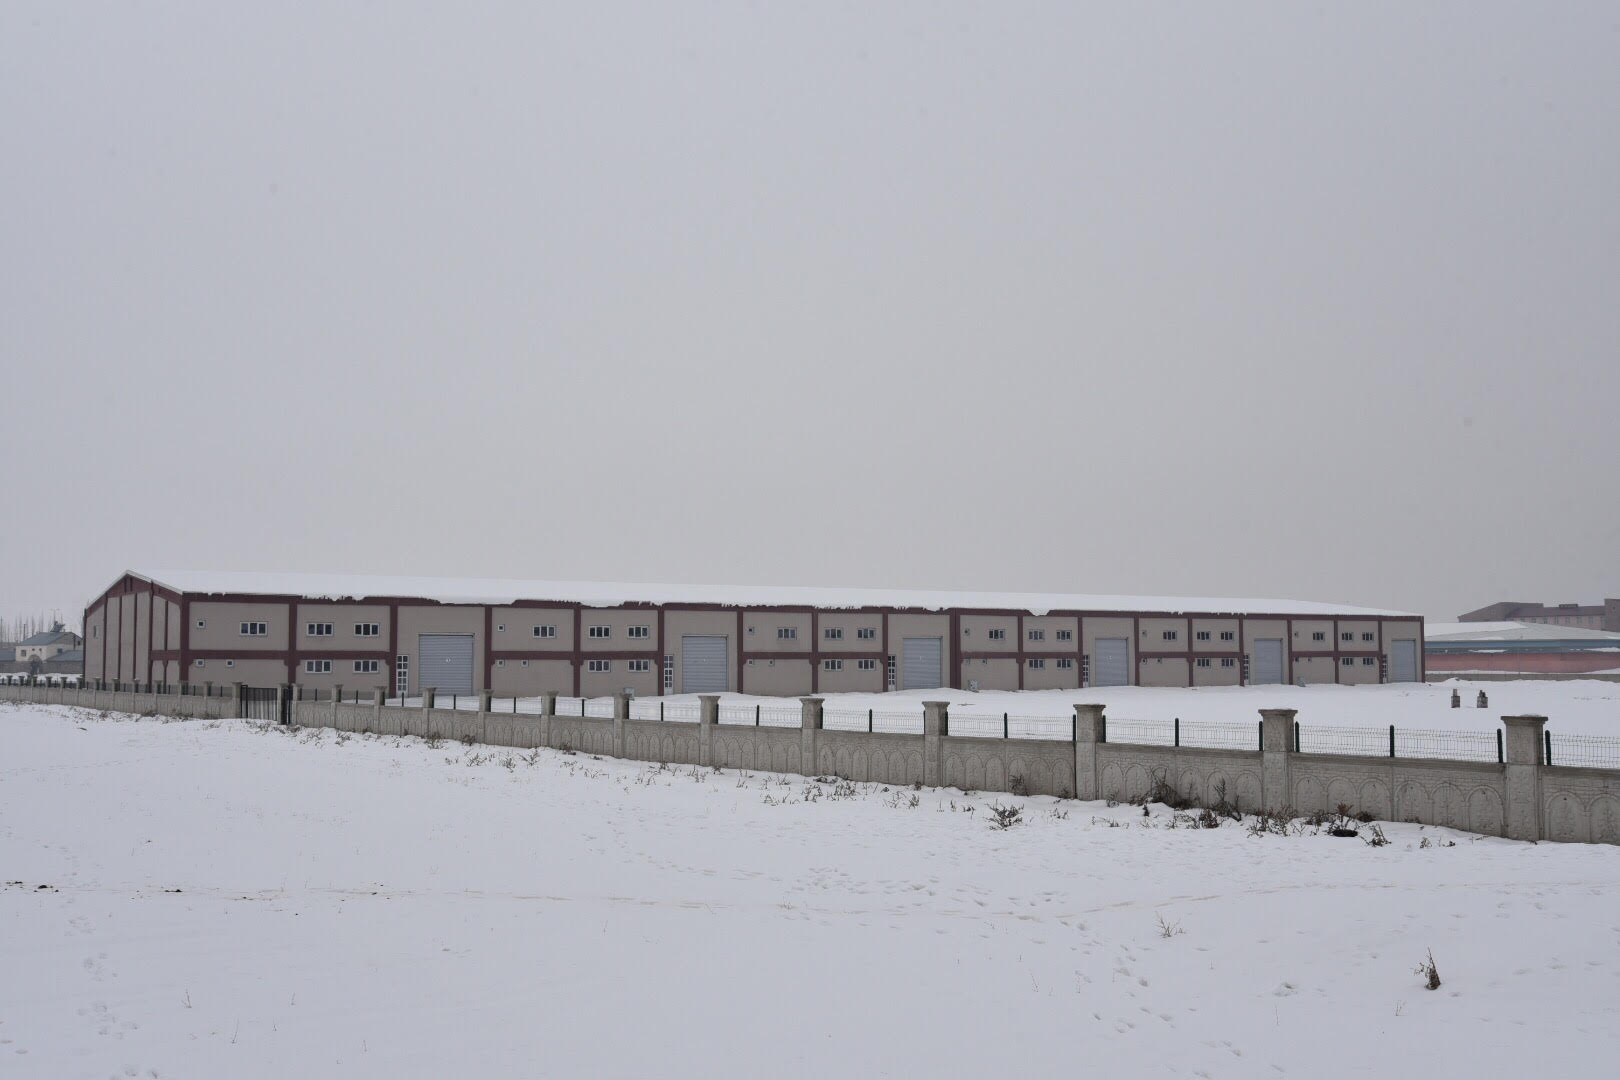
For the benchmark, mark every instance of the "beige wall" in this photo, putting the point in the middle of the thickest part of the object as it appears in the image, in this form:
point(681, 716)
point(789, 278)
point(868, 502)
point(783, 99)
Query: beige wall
point(616, 678)
point(528, 678)
point(759, 632)
point(1216, 675)
point(765, 676)
point(1162, 672)
point(1359, 673)
point(1305, 631)
point(521, 621)
point(343, 618)
point(1215, 628)
point(851, 679)
point(976, 633)
point(618, 623)
point(222, 626)
point(1355, 628)
point(1051, 625)
point(1261, 629)
point(1150, 638)
point(1052, 677)
point(991, 673)
point(850, 622)
point(254, 672)
point(1314, 669)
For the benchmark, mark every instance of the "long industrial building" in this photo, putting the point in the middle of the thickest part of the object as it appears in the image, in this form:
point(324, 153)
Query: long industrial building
point(589, 639)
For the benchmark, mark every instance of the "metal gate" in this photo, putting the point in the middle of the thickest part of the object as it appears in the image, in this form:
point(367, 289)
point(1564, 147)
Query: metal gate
point(1403, 661)
point(703, 664)
point(446, 663)
point(266, 703)
point(1268, 661)
point(1113, 667)
point(923, 663)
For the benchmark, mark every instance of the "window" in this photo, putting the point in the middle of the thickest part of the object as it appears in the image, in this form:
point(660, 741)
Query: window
point(786, 633)
point(1228, 662)
point(253, 629)
point(639, 632)
point(230, 663)
point(500, 628)
point(601, 665)
point(832, 665)
point(1037, 663)
point(1347, 661)
point(1037, 635)
point(1347, 636)
point(95, 631)
point(366, 629)
point(201, 623)
point(1318, 635)
point(1202, 635)
point(1227, 635)
point(1368, 661)
point(891, 671)
point(669, 672)
point(639, 665)
point(500, 663)
point(866, 633)
point(997, 635)
point(1065, 662)
point(402, 674)
point(201, 663)
point(317, 667)
point(1366, 635)
point(544, 631)
point(1170, 635)
point(1203, 661)
point(366, 667)
point(866, 665)
point(1065, 635)
point(601, 632)
point(833, 633)
point(318, 629)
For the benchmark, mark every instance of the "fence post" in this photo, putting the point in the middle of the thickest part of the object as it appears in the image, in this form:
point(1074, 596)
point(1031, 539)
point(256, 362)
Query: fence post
point(1088, 733)
point(284, 704)
point(1276, 747)
point(241, 700)
point(621, 713)
point(936, 725)
point(1522, 786)
point(428, 695)
point(708, 716)
point(809, 724)
point(379, 694)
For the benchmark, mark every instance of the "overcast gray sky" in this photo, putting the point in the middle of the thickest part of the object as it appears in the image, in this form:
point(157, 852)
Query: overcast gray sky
point(1310, 301)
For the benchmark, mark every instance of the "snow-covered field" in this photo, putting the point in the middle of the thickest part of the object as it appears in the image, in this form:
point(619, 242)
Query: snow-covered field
point(204, 899)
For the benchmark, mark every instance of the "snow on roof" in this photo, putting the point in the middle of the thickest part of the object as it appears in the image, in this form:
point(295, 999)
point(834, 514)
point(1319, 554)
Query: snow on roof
point(605, 594)
point(1514, 631)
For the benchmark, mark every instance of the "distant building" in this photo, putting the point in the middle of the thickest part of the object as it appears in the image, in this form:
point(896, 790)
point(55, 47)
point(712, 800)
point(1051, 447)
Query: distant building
point(1604, 616)
point(53, 650)
point(1519, 648)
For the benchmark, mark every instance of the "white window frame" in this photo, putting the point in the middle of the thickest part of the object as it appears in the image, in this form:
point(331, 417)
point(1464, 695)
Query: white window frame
point(1227, 661)
point(1065, 662)
point(669, 672)
point(253, 628)
point(317, 667)
point(1172, 635)
point(318, 629)
point(996, 633)
point(367, 629)
point(787, 633)
point(402, 674)
point(832, 665)
point(638, 631)
point(1036, 663)
point(1037, 635)
point(1203, 661)
point(866, 633)
point(1228, 635)
point(866, 663)
point(1318, 635)
point(638, 665)
point(1065, 635)
point(367, 667)
point(832, 633)
point(599, 665)
point(543, 630)
point(1201, 635)
point(600, 632)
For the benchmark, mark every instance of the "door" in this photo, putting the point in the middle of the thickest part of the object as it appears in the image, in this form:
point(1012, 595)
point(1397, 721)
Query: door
point(703, 664)
point(1268, 661)
point(924, 659)
point(1113, 667)
point(1403, 661)
point(446, 663)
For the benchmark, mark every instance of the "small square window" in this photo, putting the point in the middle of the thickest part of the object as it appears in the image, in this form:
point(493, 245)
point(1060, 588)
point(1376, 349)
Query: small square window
point(201, 623)
point(500, 628)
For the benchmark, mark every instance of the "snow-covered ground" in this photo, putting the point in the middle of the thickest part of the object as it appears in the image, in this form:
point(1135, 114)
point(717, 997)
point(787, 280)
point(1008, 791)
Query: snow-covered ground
point(208, 899)
point(1577, 706)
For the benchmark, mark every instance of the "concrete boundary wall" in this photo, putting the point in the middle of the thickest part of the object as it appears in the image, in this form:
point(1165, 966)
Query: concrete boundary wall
point(1522, 798)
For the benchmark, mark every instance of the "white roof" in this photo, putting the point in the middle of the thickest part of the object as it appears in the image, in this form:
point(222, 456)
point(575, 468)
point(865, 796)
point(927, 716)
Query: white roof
point(1514, 631)
point(605, 594)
